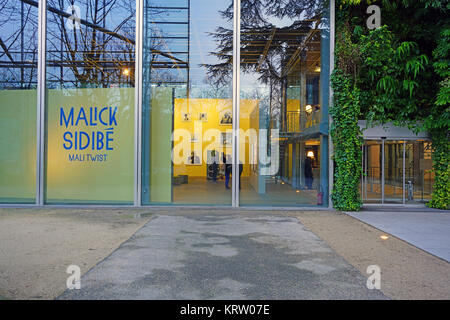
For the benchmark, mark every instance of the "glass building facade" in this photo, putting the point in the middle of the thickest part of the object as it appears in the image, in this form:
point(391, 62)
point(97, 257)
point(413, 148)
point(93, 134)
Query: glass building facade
point(172, 102)
point(164, 102)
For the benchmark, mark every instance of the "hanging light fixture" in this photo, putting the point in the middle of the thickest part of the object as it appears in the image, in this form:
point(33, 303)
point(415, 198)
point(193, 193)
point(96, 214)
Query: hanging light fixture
point(310, 154)
point(126, 72)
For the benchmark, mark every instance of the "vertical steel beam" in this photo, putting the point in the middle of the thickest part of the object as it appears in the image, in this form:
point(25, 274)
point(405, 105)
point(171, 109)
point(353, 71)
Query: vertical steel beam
point(330, 120)
point(138, 104)
point(404, 171)
point(382, 171)
point(362, 173)
point(366, 162)
point(40, 106)
point(236, 101)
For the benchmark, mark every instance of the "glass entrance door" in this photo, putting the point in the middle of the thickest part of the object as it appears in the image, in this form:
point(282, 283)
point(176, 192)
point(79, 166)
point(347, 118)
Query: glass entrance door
point(372, 185)
point(393, 172)
point(419, 178)
point(396, 171)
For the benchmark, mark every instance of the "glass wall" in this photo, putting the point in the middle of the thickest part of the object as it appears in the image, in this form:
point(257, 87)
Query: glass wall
point(283, 121)
point(90, 101)
point(197, 118)
point(187, 107)
point(18, 98)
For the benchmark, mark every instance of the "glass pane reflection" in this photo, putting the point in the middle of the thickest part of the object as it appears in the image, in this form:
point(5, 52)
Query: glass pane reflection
point(90, 101)
point(18, 96)
point(284, 90)
point(187, 114)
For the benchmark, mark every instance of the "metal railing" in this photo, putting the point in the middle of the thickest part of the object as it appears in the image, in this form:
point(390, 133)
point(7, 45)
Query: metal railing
point(296, 123)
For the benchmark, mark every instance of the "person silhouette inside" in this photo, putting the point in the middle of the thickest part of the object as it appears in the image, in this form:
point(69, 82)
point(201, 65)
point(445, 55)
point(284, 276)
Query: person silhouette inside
point(193, 159)
point(214, 166)
point(241, 169)
point(228, 168)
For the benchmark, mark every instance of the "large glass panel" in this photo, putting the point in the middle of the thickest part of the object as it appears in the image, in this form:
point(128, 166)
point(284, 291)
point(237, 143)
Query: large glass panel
point(372, 171)
point(418, 169)
point(90, 101)
point(284, 103)
point(18, 98)
point(187, 102)
point(393, 171)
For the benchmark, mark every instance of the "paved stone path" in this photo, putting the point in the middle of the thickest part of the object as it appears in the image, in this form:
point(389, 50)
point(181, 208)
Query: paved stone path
point(223, 256)
point(427, 229)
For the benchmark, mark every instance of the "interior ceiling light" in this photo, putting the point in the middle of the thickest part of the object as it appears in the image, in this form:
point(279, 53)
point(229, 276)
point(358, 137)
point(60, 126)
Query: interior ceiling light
point(317, 68)
point(310, 154)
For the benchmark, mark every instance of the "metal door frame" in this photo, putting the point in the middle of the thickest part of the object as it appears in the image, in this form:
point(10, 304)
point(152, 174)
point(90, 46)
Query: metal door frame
point(383, 182)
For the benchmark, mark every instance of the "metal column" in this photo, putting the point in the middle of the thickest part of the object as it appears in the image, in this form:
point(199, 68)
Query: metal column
point(382, 171)
point(236, 101)
point(40, 111)
point(138, 104)
point(330, 119)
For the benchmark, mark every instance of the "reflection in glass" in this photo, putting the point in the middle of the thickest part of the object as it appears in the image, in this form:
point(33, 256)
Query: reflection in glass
point(187, 116)
point(90, 101)
point(418, 170)
point(393, 171)
point(372, 171)
point(18, 96)
point(283, 119)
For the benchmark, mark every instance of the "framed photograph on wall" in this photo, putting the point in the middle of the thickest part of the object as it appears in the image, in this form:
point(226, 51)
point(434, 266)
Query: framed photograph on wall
point(203, 116)
point(226, 118)
point(186, 117)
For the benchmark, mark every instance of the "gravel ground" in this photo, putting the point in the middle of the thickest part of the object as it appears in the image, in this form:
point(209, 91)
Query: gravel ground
point(37, 245)
point(406, 271)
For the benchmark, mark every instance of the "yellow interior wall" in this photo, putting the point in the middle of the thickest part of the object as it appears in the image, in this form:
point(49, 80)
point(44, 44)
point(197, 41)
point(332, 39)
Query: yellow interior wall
point(214, 109)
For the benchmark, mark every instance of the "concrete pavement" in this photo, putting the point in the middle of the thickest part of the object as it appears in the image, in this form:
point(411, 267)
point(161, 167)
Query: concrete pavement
point(427, 229)
point(223, 256)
